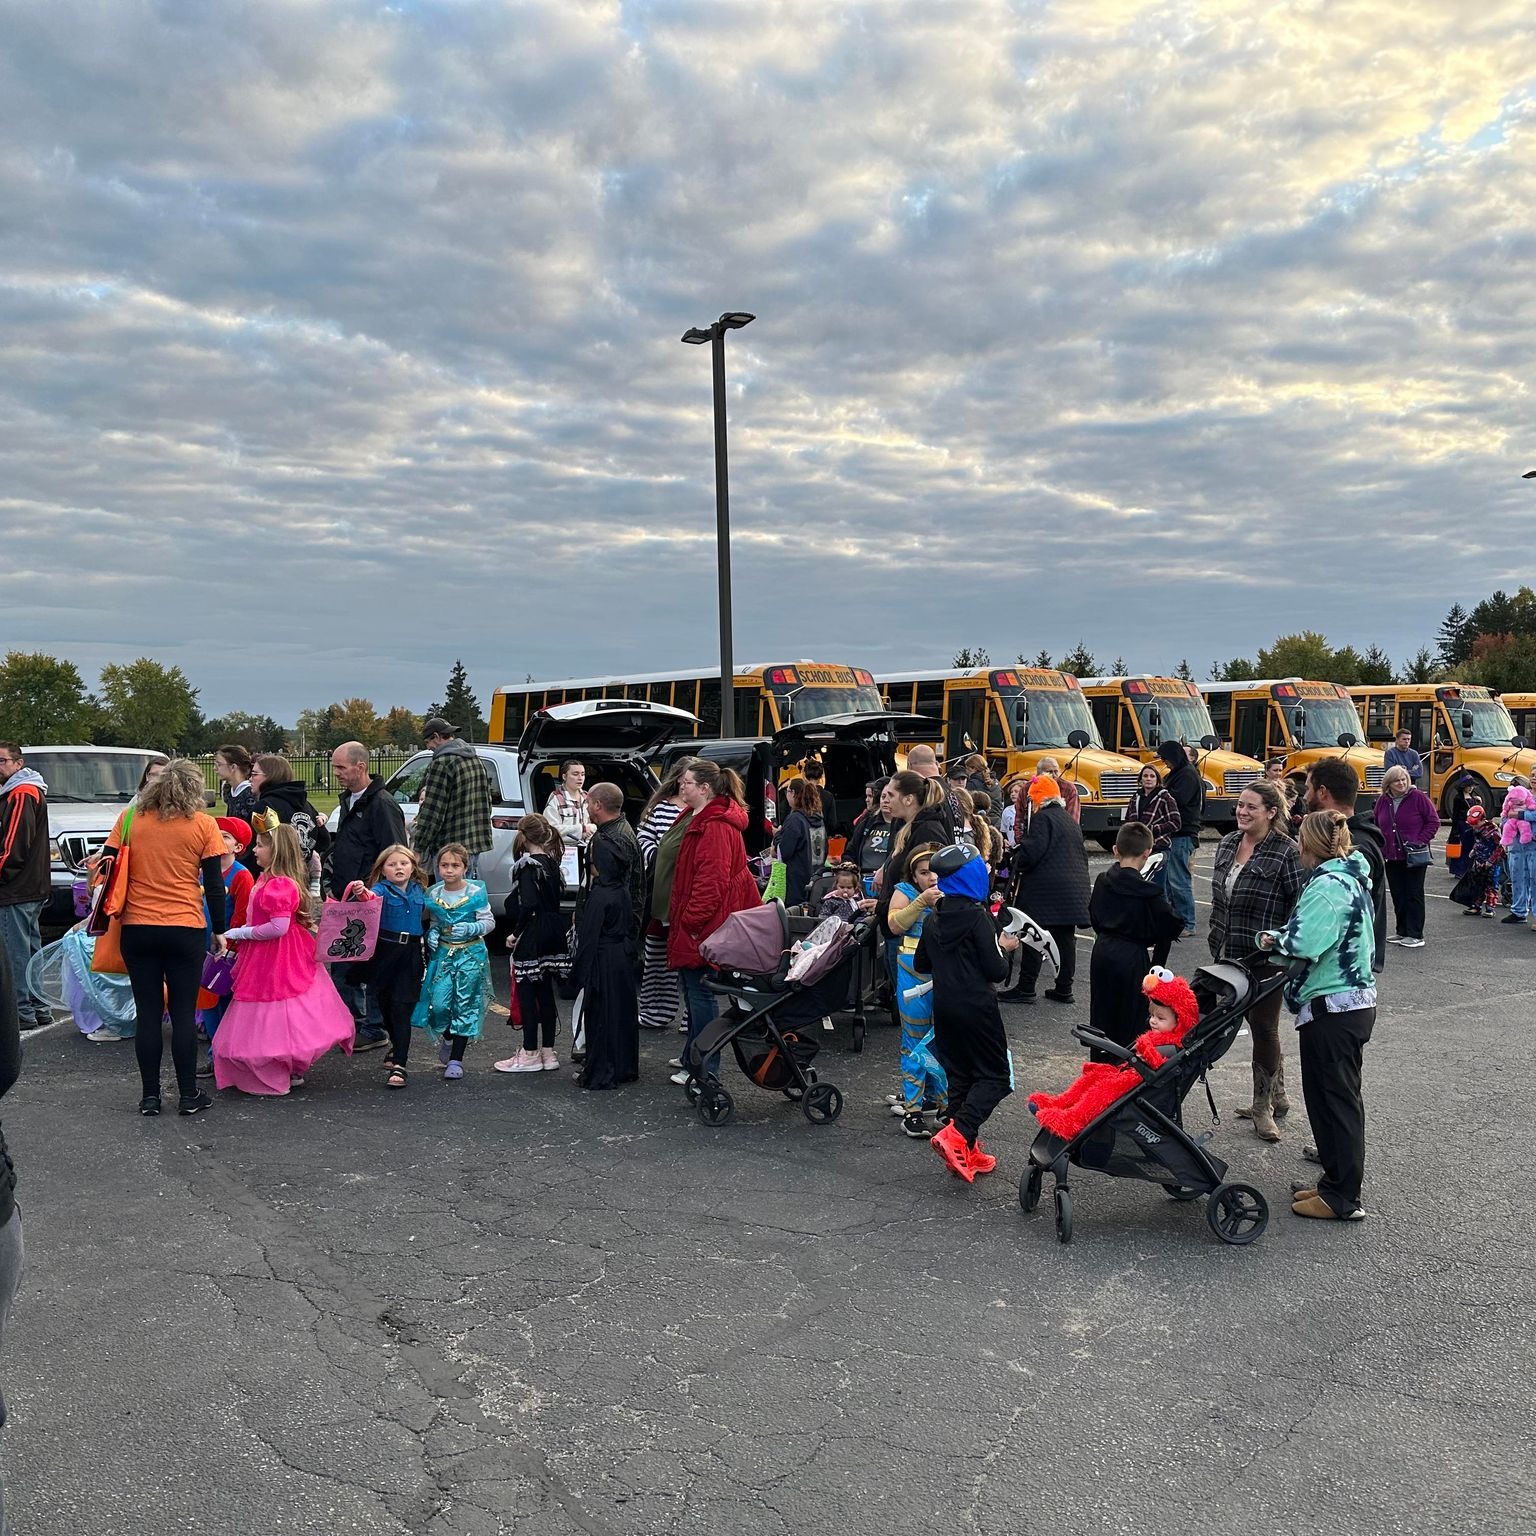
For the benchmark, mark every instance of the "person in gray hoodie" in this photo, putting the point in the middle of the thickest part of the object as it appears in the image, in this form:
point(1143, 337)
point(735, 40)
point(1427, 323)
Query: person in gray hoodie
point(24, 875)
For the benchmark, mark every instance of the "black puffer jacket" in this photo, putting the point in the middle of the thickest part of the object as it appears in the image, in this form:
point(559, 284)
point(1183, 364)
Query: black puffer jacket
point(1051, 871)
point(369, 823)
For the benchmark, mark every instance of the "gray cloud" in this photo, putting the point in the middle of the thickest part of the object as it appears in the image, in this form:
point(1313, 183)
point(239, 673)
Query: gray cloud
point(339, 341)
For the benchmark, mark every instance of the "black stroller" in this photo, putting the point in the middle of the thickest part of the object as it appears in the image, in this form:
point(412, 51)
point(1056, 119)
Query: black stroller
point(769, 1022)
point(1142, 1136)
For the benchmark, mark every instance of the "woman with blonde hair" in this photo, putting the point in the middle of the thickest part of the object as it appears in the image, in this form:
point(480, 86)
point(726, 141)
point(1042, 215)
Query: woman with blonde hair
point(1333, 996)
point(174, 853)
point(1408, 821)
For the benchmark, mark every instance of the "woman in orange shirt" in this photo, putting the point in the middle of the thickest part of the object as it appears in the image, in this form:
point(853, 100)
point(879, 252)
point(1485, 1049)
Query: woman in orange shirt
point(174, 853)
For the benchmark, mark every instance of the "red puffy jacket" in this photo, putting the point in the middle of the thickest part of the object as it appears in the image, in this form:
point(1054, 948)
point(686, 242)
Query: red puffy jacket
point(712, 880)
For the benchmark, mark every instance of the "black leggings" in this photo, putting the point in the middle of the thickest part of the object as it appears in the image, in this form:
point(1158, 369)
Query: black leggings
point(165, 967)
point(395, 977)
point(541, 1018)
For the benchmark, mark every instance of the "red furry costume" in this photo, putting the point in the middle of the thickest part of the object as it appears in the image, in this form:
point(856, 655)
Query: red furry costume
point(1101, 1083)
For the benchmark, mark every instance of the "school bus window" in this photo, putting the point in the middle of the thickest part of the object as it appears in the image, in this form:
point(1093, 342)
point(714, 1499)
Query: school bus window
point(709, 707)
point(1252, 716)
point(930, 700)
point(748, 705)
point(1380, 724)
point(965, 720)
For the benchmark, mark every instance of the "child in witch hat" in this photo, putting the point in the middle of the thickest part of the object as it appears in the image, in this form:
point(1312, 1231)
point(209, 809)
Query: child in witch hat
point(963, 952)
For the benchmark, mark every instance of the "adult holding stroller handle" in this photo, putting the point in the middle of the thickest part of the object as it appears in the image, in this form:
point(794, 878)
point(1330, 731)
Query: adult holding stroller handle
point(711, 882)
point(1257, 877)
point(1334, 999)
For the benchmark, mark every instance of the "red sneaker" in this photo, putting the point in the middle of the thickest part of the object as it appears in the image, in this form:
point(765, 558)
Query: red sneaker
point(982, 1162)
point(955, 1150)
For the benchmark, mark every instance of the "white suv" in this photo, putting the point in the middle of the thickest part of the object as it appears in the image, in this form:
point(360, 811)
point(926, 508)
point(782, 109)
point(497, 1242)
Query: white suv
point(87, 790)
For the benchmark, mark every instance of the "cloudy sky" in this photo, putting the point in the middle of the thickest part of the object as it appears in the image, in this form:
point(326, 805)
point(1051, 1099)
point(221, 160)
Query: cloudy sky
point(340, 340)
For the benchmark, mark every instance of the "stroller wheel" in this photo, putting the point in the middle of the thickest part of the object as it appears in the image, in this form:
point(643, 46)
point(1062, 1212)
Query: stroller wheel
point(1237, 1213)
point(1029, 1187)
point(794, 1093)
point(858, 1035)
point(1063, 1214)
point(1181, 1192)
point(716, 1106)
point(822, 1104)
point(693, 1090)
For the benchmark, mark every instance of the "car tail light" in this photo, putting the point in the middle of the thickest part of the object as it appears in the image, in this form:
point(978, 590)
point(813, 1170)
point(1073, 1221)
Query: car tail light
point(505, 823)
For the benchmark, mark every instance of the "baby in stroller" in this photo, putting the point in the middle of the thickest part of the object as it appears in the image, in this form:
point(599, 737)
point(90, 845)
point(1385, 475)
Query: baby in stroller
point(1174, 1012)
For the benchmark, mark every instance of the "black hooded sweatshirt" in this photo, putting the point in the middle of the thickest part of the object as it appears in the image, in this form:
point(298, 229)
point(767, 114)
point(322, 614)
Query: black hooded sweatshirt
point(1182, 781)
point(1124, 906)
point(959, 949)
point(292, 808)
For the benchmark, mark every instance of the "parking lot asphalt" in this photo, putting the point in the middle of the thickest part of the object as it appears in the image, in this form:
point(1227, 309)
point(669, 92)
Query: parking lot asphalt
point(504, 1305)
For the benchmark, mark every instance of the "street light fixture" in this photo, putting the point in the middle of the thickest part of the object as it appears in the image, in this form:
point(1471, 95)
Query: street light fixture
point(695, 336)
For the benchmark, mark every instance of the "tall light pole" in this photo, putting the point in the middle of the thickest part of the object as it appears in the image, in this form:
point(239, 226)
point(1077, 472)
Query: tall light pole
point(715, 336)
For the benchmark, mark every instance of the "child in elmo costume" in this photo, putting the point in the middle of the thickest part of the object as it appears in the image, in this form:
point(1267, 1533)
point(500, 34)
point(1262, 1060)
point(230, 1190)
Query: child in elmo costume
point(1174, 1012)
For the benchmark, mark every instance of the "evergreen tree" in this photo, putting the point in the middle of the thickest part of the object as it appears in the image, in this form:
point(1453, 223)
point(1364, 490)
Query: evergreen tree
point(1495, 615)
point(461, 707)
point(1455, 637)
point(1183, 673)
point(1119, 669)
point(1376, 666)
point(1421, 667)
point(1043, 660)
point(1079, 662)
point(971, 656)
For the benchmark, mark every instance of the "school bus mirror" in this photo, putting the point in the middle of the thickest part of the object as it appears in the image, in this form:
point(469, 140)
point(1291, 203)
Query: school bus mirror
point(1466, 722)
point(1347, 740)
point(1077, 740)
point(1209, 743)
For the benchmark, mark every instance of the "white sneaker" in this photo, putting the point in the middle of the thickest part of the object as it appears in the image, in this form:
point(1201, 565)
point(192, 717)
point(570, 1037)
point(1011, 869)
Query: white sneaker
point(548, 1061)
point(675, 1062)
point(1411, 943)
point(899, 1109)
point(894, 1098)
point(1397, 939)
point(679, 1077)
point(105, 1035)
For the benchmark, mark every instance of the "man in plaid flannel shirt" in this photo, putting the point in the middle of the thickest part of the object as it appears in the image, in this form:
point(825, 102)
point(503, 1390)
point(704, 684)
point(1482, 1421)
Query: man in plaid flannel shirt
point(455, 798)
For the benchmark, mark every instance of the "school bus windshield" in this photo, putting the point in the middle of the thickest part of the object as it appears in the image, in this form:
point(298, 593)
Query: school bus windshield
point(1045, 717)
point(1327, 720)
point(1179, 719)
point(1491, 725)
point(813, 702)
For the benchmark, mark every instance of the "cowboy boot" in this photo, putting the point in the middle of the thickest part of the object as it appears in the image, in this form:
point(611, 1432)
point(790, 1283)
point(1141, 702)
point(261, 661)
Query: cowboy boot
point(1261, 1111)
point(1278, 1101)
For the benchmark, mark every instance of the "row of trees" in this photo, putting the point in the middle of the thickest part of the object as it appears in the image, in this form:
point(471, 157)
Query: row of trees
point(1494, 644)
point(143, 703)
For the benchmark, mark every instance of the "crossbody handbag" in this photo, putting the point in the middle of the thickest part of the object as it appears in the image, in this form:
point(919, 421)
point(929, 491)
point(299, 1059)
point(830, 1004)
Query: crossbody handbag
point(1415, 855)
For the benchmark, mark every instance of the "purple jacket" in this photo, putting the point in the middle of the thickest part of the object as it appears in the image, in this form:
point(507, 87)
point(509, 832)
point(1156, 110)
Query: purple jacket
point(1414, 821)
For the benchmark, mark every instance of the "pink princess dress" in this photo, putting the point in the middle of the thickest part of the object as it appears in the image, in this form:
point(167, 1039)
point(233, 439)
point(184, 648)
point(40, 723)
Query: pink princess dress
point(285, 1014)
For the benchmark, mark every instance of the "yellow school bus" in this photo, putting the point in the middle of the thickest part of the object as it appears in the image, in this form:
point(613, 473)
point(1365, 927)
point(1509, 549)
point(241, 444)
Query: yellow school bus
point(1464, 734)
point(1298, 721)
point(1014, 716)
point(768, 698)
point(1135, 715)
point(1522, 710)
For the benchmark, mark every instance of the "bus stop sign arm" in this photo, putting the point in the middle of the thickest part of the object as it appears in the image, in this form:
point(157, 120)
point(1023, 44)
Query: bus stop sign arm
point(715, 336)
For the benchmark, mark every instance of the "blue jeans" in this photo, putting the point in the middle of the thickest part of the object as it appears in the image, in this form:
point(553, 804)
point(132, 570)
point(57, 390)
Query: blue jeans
point(1522, 877)
point(23, 938)
point(1178, 881)
point(362, 1002)
point(702, 1007)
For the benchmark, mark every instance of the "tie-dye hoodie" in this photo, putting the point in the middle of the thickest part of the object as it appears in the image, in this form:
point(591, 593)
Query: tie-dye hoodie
point(1333, 927)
